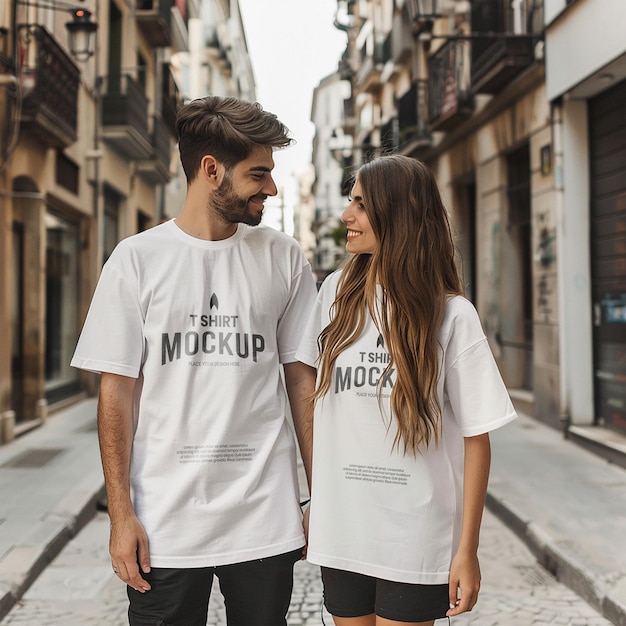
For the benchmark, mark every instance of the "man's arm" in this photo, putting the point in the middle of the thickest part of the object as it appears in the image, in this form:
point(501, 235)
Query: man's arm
point(465, 570)
point(300, 384)
point(128, 544)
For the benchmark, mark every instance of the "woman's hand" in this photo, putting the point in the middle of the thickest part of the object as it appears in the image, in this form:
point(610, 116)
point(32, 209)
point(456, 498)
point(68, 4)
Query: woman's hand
point(464, 583)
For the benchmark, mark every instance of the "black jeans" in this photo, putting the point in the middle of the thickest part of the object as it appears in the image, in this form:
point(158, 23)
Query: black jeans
point(256, 593)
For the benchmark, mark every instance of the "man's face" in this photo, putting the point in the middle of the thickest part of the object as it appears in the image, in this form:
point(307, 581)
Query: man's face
point(244, 189)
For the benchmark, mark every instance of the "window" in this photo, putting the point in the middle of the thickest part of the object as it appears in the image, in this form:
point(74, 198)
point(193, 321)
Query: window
point(62, 289)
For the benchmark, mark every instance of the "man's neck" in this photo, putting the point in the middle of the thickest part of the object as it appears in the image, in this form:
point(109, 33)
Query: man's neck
point(199, 221)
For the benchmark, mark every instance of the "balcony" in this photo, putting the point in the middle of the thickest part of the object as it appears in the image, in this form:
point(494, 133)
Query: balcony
point(402, 43)
point(389, 141)
point(170, 100)
point(344, 66)
point(6, 65)
point(125, 118)
point(369, 73)
point(508, 47)
point(397, 47)
point(349, 121)
point(450, 100)
point(413, 130)
point(387, 47)
point(180, 26)
point(498, 63)
point(156, 169)
point(408, 132)
point(154, 19)
point(50, 83)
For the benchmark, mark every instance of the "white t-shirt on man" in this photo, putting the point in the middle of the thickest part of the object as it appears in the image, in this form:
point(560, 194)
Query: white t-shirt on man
point(374, 510)
point(204, 326)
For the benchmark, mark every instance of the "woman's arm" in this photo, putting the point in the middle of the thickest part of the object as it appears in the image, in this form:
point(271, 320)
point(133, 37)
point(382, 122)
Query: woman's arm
point(465, 570)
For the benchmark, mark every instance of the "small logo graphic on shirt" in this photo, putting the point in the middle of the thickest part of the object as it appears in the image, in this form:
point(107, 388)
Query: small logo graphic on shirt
point(381, 341)
point(213, 302)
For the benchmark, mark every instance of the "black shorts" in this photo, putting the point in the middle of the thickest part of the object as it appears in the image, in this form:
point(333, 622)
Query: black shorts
point(347, 594)
point(256, 593)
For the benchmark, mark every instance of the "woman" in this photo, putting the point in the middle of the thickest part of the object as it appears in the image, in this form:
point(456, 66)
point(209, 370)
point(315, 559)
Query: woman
point(407, 391)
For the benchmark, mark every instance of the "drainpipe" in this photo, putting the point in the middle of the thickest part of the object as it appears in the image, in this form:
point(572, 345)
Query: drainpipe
point(559, 208)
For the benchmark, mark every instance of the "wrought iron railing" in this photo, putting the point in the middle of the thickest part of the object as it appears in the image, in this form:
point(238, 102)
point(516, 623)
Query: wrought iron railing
point(371, 61)
point(413, 113)
point(449, 96)
point(389, 136)
point(5, 57)
point(171, 99)
point(161, 7)
point(507, 47)
point(124, 104)
point(161, 142)
point(50, 81)
point(154, 18)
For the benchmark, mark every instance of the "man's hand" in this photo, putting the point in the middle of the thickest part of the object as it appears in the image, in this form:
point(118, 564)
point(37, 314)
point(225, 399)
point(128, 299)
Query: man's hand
point(128, 547)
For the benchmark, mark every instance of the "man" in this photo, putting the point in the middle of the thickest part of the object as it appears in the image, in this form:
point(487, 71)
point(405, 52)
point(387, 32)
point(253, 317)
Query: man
point(189, 325)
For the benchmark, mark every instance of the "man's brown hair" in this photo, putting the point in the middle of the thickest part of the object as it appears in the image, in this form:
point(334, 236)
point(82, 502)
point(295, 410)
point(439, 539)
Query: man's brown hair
point(227, 128)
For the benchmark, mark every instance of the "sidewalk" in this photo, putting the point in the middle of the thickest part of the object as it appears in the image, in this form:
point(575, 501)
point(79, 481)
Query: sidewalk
point(50, 482)
point(566, 503)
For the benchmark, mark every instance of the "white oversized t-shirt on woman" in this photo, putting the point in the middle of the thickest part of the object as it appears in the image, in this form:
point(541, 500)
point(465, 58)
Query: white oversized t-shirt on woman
point(374, 510)
point(204, 326)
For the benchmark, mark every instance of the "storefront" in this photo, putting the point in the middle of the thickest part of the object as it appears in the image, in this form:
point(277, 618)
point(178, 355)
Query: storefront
point(62, 305)
point(607, 162)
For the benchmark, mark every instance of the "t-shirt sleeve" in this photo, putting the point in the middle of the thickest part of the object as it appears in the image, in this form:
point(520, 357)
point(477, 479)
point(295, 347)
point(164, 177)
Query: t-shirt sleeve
point(299, 305)
point(473, 384)
point(308, 350)
point(479, 399)
point(112, 338)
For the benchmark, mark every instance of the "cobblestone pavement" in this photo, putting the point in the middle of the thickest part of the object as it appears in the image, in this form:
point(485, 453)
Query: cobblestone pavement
point(79, 589)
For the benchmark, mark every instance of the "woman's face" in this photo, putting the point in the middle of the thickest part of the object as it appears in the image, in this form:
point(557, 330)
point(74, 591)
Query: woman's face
point(361, 237)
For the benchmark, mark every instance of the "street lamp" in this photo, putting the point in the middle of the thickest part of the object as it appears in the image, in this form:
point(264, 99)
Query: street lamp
point(81, 34)
point(80, 31)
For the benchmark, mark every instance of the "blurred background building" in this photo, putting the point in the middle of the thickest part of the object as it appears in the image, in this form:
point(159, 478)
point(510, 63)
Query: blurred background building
point(88, 99)
point(519, 107)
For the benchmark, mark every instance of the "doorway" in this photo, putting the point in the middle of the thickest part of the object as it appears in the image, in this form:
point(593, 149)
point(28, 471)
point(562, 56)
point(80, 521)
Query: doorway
point(17, 324)
point(516, 335)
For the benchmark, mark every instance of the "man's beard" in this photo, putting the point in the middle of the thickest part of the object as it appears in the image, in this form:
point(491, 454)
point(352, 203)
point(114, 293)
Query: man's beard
point(233, 209)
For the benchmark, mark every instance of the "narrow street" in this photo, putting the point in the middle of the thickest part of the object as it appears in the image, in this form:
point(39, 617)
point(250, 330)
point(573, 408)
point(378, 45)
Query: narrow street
point(79, 589)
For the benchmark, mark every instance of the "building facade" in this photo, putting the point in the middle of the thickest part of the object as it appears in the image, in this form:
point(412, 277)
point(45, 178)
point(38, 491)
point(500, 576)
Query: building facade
point(526, 134)
point(330, 158)
point(87, 151)
point(586, 89)
point(216, 61)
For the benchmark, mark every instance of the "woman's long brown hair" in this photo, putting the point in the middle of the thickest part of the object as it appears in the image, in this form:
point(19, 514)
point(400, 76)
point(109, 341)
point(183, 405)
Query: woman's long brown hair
point(415, 271)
